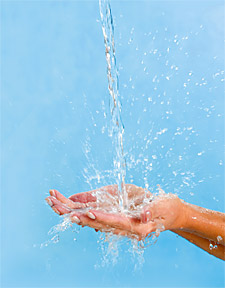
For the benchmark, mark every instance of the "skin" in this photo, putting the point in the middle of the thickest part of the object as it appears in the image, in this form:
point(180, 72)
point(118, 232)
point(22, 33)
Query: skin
point(198, 225)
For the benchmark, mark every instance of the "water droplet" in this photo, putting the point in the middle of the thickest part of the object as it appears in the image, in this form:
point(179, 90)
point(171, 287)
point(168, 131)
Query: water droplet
point(219, 238)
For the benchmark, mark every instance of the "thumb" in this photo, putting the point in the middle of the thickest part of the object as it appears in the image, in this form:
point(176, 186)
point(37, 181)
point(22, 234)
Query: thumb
point(147, 213)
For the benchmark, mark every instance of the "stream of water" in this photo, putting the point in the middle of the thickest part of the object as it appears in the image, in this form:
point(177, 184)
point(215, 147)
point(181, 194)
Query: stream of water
point(117, 127)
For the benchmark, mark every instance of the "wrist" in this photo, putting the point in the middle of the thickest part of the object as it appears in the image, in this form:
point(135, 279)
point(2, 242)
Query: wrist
point(191, 218)
point(183, 216)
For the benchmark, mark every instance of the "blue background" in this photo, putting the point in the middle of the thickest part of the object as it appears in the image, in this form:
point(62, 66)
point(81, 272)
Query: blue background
point(54, 133)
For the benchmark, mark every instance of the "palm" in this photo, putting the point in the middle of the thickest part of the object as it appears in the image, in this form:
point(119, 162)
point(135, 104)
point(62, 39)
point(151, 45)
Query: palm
point(99, 209)
point(104, 198)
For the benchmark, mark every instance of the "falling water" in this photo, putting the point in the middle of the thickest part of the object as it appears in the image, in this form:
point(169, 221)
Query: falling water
point(117, 128)
point(176, 174)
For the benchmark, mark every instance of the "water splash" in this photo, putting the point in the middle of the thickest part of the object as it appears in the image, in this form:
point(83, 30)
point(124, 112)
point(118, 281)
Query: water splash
point(55, 231)
point(166, 162)
point(111, 246)
point(117, 127)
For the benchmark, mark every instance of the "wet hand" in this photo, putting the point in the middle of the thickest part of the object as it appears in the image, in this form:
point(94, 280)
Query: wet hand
point(165, 212)
point(105, 197)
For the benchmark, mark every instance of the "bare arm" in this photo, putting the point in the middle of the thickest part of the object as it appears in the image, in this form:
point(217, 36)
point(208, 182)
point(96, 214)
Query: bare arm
point(204, 228)
point(205, 223)
point(213, 248)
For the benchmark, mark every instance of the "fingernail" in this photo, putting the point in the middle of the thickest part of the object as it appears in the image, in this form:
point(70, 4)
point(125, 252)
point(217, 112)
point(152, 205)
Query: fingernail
point(91, 215)
point(52, 192)
point(56, 210)
point(49, 202)
point(147, 216)
point(75, 219)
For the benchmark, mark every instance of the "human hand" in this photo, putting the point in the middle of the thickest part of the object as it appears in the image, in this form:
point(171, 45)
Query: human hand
point(165, 212)
point(105, 198)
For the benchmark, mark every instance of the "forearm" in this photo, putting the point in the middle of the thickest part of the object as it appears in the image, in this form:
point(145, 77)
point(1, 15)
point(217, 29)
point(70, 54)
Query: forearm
point(213, 248)
point(205, 223)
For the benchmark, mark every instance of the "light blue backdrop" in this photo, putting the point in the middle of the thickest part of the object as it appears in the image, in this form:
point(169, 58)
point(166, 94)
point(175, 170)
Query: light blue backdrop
point(53, 99)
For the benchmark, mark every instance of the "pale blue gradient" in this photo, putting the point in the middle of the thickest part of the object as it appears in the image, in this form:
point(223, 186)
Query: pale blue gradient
point(53, 80)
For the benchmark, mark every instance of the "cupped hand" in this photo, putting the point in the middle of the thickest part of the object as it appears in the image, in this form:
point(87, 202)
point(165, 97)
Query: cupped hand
point(105, 198)
point(165, 212)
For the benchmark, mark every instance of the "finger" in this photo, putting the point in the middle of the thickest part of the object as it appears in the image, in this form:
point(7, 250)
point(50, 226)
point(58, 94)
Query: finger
point(147, 213)
point(84, 220)
point(69, 204)
point(56, 211)
point(89, 219)
point(57, 198)
point(61, 198)
point(118, 221)
point(90, 195)
point(57, 206)
point(153, 211)
point(53, 201)
point(131, 226)
point(61, 210)
point(58, 195)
